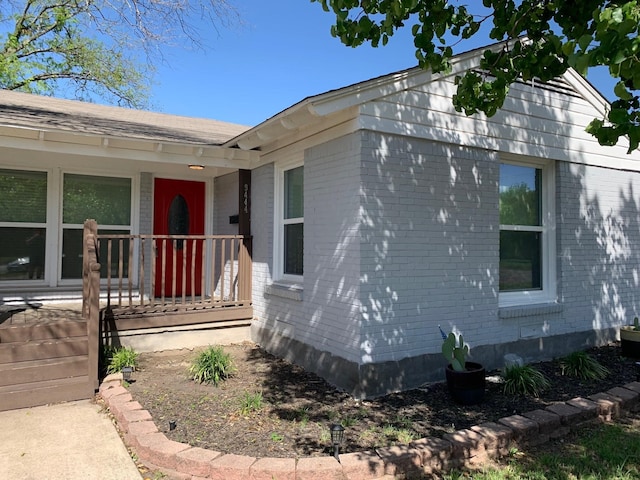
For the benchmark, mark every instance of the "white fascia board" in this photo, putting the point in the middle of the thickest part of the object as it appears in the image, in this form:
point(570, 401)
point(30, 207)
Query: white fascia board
point(391, 84)
point(588, 91)
point(284, 122)
point(129, 149)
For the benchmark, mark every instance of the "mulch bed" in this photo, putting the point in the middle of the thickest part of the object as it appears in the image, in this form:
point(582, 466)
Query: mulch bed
point(295, 407)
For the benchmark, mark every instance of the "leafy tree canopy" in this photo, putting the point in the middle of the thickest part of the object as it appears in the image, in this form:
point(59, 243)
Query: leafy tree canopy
point(542, 39)
point(103, 48)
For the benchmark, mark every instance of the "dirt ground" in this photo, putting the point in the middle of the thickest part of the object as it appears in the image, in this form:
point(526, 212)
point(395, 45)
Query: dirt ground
point(271, 408)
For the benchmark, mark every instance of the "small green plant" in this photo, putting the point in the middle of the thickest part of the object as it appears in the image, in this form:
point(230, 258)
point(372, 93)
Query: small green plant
point(524, 379)
point(276, 437)
point(405, 435)
point(325, 436)
point(349, 421)
point(389, 431)
point(401, 435)
point(212, 365)
point(455, 351)
point(116, 358)
point(251, 402)
point(402, 421)
point(302, 415)
point(582, 365)
point(333, 416)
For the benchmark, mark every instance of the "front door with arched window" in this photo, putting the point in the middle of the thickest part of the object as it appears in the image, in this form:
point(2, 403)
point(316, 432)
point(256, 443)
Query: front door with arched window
point(178, 209)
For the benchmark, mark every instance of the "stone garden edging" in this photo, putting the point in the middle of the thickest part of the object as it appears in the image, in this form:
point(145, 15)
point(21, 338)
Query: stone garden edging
point(468, 447)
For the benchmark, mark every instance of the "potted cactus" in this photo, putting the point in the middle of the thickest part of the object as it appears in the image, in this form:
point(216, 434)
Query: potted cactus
point(630, 339)
point(465, 379)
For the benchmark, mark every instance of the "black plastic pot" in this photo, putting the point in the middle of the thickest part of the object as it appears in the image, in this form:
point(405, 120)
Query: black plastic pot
point(630, 342)
point(467, 387)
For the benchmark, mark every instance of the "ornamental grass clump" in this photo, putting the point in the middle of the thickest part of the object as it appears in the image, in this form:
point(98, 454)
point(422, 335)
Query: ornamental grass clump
point(524, 379)
point(117, 358)
point(212, 365)
point(582, 365)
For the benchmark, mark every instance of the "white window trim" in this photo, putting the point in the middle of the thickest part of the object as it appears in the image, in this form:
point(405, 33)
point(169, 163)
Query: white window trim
point(132, 227)
point(548, 294)
point(279, 222)
point(47, 225)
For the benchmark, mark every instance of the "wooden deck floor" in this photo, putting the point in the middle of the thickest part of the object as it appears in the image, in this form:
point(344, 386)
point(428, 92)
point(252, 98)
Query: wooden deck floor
point(140, 317)
point(35, 313)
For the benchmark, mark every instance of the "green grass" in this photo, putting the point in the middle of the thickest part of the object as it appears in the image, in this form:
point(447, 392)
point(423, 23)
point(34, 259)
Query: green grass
point(599, 452)
point(212, 365)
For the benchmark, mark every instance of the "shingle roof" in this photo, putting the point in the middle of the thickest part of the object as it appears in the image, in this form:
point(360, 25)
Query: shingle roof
point(54, 114)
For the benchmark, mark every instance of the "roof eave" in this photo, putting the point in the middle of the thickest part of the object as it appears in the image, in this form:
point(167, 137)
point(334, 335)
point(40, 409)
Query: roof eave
point(311, 109)
point(139, 149)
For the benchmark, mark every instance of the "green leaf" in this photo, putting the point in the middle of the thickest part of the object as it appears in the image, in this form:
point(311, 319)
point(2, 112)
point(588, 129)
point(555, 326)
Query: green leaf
point(584, 41)
point(621, 91)
point(618, 116)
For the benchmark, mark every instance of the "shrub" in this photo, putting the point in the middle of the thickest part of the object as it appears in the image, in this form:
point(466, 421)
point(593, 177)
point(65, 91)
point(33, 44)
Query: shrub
point(119, 357)
point(212, 365)
point(582, 365)
point(524, 379)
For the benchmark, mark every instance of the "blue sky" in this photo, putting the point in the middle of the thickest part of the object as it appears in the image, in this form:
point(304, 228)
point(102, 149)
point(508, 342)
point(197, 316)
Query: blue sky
point(281, 53)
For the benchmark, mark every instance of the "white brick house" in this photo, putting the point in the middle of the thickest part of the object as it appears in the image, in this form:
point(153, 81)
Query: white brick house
point(376, 217)
point(399, 199)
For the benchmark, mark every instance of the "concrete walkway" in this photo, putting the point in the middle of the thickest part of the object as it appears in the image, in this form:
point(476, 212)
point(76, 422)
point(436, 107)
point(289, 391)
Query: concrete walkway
point(68, 441)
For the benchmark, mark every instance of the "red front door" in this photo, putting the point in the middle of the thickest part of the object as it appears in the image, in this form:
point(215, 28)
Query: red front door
point(178, 209)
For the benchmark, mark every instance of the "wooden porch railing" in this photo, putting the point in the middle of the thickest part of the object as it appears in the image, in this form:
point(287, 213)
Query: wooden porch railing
point(145, 273)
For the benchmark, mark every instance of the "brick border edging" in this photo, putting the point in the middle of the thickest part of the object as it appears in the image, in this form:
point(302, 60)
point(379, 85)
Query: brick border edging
point(428, 455)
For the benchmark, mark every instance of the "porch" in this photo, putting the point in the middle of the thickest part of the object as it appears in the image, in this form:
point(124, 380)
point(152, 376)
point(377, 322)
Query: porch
point(160, 283)
point(146, 291)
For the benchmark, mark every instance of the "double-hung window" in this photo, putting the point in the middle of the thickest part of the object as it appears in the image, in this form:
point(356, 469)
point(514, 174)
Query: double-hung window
point(527, 243)
point(290, 244)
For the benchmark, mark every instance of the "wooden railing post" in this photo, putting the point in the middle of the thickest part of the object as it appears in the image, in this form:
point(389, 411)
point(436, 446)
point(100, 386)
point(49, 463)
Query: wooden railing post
point(245, 269)
point(91, 298)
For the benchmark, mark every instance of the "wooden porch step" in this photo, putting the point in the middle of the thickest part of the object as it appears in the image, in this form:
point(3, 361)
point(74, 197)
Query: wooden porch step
point(43, 370)
point(42, 393)
point(43, 331)
point(38, 350)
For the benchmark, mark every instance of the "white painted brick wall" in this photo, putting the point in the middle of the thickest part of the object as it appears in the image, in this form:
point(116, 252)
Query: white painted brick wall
point(429, 245)
point(598, 246)
point(327, 316)
point(332, 248)
point(405, 237)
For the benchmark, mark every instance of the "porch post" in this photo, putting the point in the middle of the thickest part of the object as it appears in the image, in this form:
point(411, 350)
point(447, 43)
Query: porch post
point(244, 202)
point(91, 299)
point(244, 228)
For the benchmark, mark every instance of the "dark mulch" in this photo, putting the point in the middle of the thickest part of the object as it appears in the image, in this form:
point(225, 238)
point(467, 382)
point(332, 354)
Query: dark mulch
point(298, 407)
